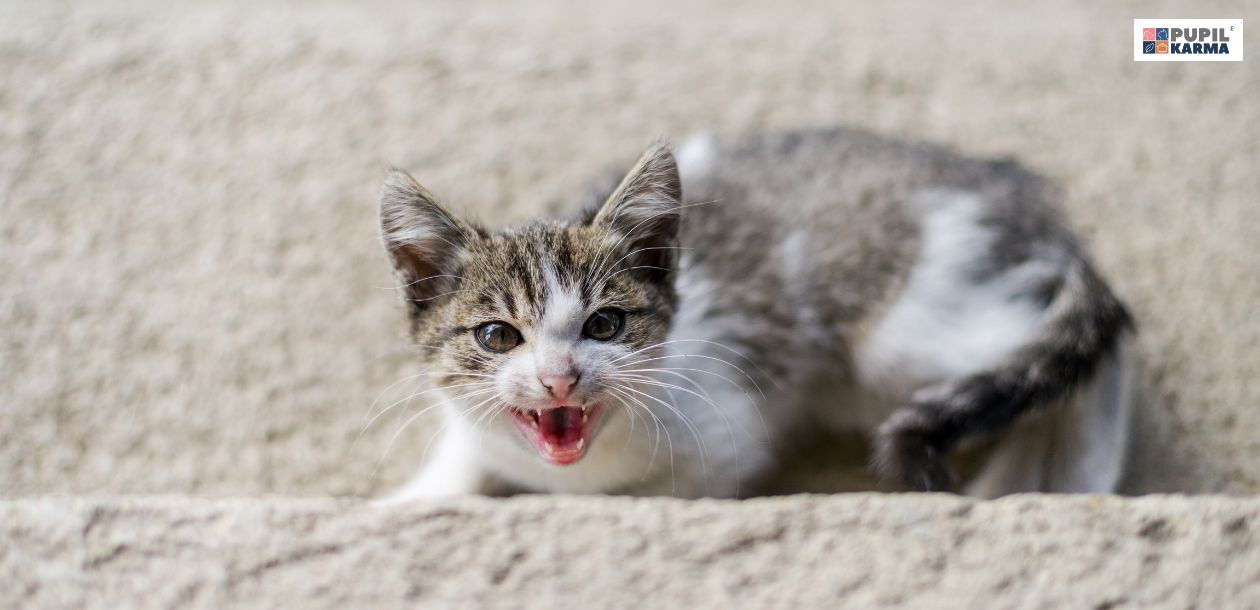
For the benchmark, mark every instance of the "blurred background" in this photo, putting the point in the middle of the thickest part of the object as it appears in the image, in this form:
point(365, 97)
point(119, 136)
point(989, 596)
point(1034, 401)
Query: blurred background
point(193, 298)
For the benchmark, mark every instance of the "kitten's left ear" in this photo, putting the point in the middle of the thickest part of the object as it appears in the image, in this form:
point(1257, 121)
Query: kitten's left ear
point(645, 211)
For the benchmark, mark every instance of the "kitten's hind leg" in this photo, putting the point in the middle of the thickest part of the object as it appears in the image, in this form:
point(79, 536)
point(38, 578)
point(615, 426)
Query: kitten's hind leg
point(1076, 358)
point(975, 345)
point(1076, 447)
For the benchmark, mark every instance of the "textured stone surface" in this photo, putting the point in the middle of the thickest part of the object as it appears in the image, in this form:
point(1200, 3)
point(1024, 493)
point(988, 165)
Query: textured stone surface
point(853, 551)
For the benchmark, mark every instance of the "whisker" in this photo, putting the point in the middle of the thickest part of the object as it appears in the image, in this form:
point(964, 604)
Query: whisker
point(404, 426)
point(703, 467)
point(423, 279)
point(722, 416)
point(445, 424)
point(607, 252)
point(609, 275)
point(630, 432)
point(659, 425)
point(493, 408)
point(416, 395)
point(644, 249)
point(421, 412)
point(674, 371)
point(695, 433)
point(603, 260)
point(442, 348)
point(715, 344)
point(637, 267)
point(387, 389)
point(703, 357)
point(438, 296)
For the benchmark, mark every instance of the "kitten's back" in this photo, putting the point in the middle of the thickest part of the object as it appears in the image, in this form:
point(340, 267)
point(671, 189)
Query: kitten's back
point(924, 277)
point(828, 218)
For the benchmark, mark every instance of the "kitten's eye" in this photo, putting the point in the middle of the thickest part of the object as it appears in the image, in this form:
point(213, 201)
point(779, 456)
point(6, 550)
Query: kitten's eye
point(604, 324)
point(497, 336)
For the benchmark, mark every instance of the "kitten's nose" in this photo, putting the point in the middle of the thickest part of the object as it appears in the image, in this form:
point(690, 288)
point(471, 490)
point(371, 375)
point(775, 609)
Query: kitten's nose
point(559, 385)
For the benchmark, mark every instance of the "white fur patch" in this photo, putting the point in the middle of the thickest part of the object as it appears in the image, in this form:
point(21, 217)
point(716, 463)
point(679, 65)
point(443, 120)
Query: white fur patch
point(452, 471)
point(696, 155)
point(945, 325)
point(553, 347)
point(562, 313)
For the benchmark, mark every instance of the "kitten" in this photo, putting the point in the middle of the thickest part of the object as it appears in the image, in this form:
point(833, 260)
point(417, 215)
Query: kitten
point(669, 338)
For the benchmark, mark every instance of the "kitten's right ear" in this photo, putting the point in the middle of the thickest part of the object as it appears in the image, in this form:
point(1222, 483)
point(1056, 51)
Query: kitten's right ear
point(425, 242)
point(645, 211)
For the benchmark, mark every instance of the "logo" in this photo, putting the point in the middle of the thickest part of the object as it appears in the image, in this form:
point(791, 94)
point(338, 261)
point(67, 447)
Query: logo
point(1188, 39)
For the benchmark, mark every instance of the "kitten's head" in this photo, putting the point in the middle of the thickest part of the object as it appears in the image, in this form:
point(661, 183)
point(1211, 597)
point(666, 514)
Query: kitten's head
point(535, 327)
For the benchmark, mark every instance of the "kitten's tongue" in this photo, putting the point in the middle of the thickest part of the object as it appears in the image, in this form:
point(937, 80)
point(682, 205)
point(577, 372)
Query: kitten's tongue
point(561, 429)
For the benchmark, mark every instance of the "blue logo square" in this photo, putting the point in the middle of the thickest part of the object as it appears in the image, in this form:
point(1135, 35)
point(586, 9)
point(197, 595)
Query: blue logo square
point(1161, 34)
point(1148, 47)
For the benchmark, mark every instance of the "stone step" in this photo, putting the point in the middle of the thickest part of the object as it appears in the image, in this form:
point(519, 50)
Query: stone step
point(843, 551)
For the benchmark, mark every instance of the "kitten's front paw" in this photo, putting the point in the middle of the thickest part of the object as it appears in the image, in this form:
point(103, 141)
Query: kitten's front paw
point(408, 493)
point(431, 485)
point(906, 452)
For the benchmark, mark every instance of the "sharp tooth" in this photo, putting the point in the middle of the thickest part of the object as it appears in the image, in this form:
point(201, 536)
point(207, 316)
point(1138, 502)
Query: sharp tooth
point(534, 423)
point(581, 443)
point(549, 447)
point(585, 417)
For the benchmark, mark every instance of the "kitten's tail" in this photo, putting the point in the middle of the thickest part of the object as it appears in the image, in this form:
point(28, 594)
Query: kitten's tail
point(1084, 326)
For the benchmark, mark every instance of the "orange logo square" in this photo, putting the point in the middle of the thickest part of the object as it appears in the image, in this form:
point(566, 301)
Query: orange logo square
point(1161, 46)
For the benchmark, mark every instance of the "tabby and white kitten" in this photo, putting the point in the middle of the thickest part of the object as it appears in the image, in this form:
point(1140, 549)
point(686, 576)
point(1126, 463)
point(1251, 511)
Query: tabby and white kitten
point(671, 337)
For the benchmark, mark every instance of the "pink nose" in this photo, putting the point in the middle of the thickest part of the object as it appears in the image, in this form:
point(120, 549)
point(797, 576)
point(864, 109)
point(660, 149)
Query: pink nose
point(559, 385)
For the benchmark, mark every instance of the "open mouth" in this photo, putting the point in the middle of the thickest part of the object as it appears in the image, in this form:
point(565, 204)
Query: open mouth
point(560, 434)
